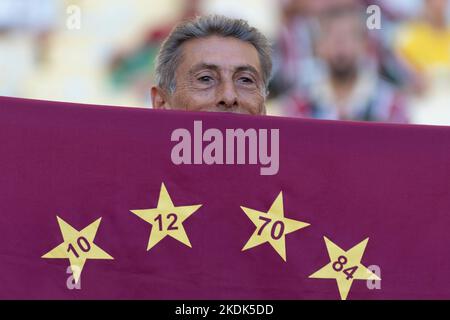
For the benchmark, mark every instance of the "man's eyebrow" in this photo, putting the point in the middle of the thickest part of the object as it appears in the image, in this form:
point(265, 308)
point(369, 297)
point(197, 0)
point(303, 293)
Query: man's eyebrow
point(247, 67)
point(202, 65)
point(210, 66)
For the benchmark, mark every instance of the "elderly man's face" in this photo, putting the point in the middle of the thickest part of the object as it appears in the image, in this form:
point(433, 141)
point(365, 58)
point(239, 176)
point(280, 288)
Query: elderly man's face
point(216, 74)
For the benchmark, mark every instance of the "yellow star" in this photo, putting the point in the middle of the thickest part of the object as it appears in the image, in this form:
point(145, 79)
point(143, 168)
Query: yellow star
point(78, 246)
point(345, 266)
point(272, 227)
point(166, 219)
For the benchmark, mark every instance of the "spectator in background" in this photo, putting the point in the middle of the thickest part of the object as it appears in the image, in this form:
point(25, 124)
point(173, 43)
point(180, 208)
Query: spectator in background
point(294, 56)
point(348, 85)
point(391, 66)
point(19, 54)
point(131, 68)
point(425, 46)
point(425, 43)
point(293, 50)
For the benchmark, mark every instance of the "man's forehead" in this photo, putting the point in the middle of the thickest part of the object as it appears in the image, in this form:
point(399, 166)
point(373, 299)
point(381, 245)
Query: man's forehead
point(225, 53)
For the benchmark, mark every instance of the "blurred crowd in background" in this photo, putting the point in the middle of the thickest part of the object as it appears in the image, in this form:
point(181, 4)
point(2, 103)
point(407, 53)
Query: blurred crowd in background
point(329, 61)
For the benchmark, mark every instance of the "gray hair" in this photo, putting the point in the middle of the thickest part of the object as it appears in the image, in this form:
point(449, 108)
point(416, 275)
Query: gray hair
point(170, 53)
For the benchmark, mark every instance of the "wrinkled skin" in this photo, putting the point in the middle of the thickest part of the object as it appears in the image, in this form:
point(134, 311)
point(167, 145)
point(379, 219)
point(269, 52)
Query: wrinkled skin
point(216, 74)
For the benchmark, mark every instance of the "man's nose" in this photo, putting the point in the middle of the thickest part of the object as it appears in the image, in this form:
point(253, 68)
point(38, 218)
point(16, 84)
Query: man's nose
point(227, 96)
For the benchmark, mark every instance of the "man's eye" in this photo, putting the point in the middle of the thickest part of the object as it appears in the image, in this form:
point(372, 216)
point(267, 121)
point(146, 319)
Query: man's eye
point(246, 80)
point(205, 79)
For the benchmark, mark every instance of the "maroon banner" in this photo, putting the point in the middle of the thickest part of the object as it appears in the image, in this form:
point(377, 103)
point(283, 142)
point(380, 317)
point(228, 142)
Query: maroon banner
point(125, 203)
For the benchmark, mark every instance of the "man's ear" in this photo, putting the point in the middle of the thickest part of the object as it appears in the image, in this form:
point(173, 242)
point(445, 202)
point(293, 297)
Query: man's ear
point(159, 98)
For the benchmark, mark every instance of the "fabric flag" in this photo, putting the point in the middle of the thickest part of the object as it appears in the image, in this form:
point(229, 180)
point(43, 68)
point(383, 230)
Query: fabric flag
point(102, 202)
